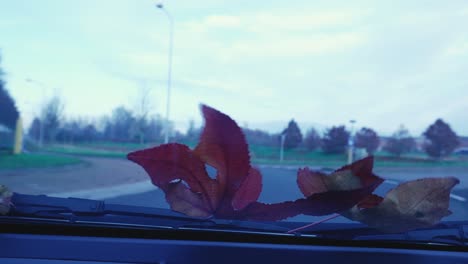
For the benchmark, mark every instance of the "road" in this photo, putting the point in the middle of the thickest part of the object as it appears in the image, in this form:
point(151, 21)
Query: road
point(93, 173)
point(121, 181)
point(280, 185)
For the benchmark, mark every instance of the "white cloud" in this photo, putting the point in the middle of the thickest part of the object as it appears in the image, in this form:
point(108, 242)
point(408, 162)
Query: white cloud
point(222, 21)
point(458, 48)
point(299, 45)
point(9, 23)
point(274, 34)
point(304, 20)
point(282, 21)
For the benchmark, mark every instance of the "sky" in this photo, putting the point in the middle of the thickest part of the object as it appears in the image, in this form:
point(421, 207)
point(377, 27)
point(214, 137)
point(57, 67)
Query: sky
point(323, 63)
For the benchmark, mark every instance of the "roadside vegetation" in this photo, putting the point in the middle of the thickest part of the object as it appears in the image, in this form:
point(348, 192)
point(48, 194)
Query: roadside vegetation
point(26, 161)
point(268, 155)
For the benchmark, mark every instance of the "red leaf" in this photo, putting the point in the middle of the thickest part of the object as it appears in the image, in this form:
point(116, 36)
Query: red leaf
point(271, 212)
point(311, 182)
point(171, 162)
point(249, 190)
point(316, 204)
point(223, 146)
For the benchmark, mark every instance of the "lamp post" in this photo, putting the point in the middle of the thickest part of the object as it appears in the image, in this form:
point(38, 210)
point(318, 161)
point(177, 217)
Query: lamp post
point(351, 142)
point(283, 137)
point(169, 70)
point(41, 124)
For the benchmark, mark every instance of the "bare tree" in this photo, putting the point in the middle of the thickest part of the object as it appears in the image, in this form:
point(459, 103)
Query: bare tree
point(52, 113)
point(142, 110)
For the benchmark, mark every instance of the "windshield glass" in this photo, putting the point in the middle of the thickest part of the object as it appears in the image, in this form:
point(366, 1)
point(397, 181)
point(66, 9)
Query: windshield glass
point(227, 107)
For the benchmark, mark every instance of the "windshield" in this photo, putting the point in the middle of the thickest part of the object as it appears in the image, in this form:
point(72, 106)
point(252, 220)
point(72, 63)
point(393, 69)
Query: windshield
point(241, 109)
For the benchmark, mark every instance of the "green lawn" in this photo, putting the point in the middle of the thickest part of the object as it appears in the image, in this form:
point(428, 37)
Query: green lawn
point(86, 150)
point(35, 161)
point(266, 155)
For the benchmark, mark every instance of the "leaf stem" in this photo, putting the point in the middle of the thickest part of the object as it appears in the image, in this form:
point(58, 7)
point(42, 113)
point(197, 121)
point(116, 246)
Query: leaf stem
point(313, 224)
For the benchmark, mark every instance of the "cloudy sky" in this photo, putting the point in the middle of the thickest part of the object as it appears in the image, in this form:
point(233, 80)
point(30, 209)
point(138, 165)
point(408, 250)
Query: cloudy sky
point(383, 63)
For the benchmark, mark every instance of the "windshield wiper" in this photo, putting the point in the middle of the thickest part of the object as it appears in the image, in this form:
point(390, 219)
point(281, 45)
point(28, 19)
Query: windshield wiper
point(77, 210)
point(446, 233)
point(85, 211)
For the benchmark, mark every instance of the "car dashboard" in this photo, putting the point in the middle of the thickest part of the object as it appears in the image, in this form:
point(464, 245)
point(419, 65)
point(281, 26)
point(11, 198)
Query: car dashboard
point(71, 243)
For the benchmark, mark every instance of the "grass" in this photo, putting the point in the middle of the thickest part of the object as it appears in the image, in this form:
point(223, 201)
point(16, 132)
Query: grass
point(86, 151)
point(22, 161)
point(267, 155)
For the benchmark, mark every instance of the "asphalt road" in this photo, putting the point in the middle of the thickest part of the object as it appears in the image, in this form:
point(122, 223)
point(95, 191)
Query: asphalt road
point(280, 185)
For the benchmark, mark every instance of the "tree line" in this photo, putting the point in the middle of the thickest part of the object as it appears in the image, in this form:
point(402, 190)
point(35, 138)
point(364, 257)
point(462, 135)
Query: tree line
point(439, 140)
point(123, 125)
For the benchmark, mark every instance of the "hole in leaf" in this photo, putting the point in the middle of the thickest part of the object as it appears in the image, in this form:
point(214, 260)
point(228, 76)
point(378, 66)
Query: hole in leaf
point(185, 183)
point(181, 181)
point(211, 171)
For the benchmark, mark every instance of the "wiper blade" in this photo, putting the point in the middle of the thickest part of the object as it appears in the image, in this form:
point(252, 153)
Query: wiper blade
point(76, 210)
point(446, 233)
point(45, 206)
point(79, 210)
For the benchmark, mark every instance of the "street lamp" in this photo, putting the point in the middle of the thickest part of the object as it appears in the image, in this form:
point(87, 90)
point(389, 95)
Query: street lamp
point(41, 124)
point(283, 137)
point(351, 142)
point(169, 70)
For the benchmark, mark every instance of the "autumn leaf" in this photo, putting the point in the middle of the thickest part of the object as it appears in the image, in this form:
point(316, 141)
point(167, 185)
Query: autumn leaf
point(249, 191)
point(5, 199)
point(414, 204)
point(354, 176)
point(223, 146)
point(347, 186)
point(180, 172)
point(317, 204)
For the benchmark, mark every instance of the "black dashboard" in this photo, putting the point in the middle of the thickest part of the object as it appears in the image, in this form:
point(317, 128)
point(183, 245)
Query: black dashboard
point(87, 244)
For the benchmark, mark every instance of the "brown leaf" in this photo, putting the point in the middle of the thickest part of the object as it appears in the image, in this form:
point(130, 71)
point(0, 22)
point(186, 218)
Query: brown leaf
point(411, 205)
point(350, 177)
point(361, 169)
point(5, 199)
point(371, 201)
point(183, 200)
